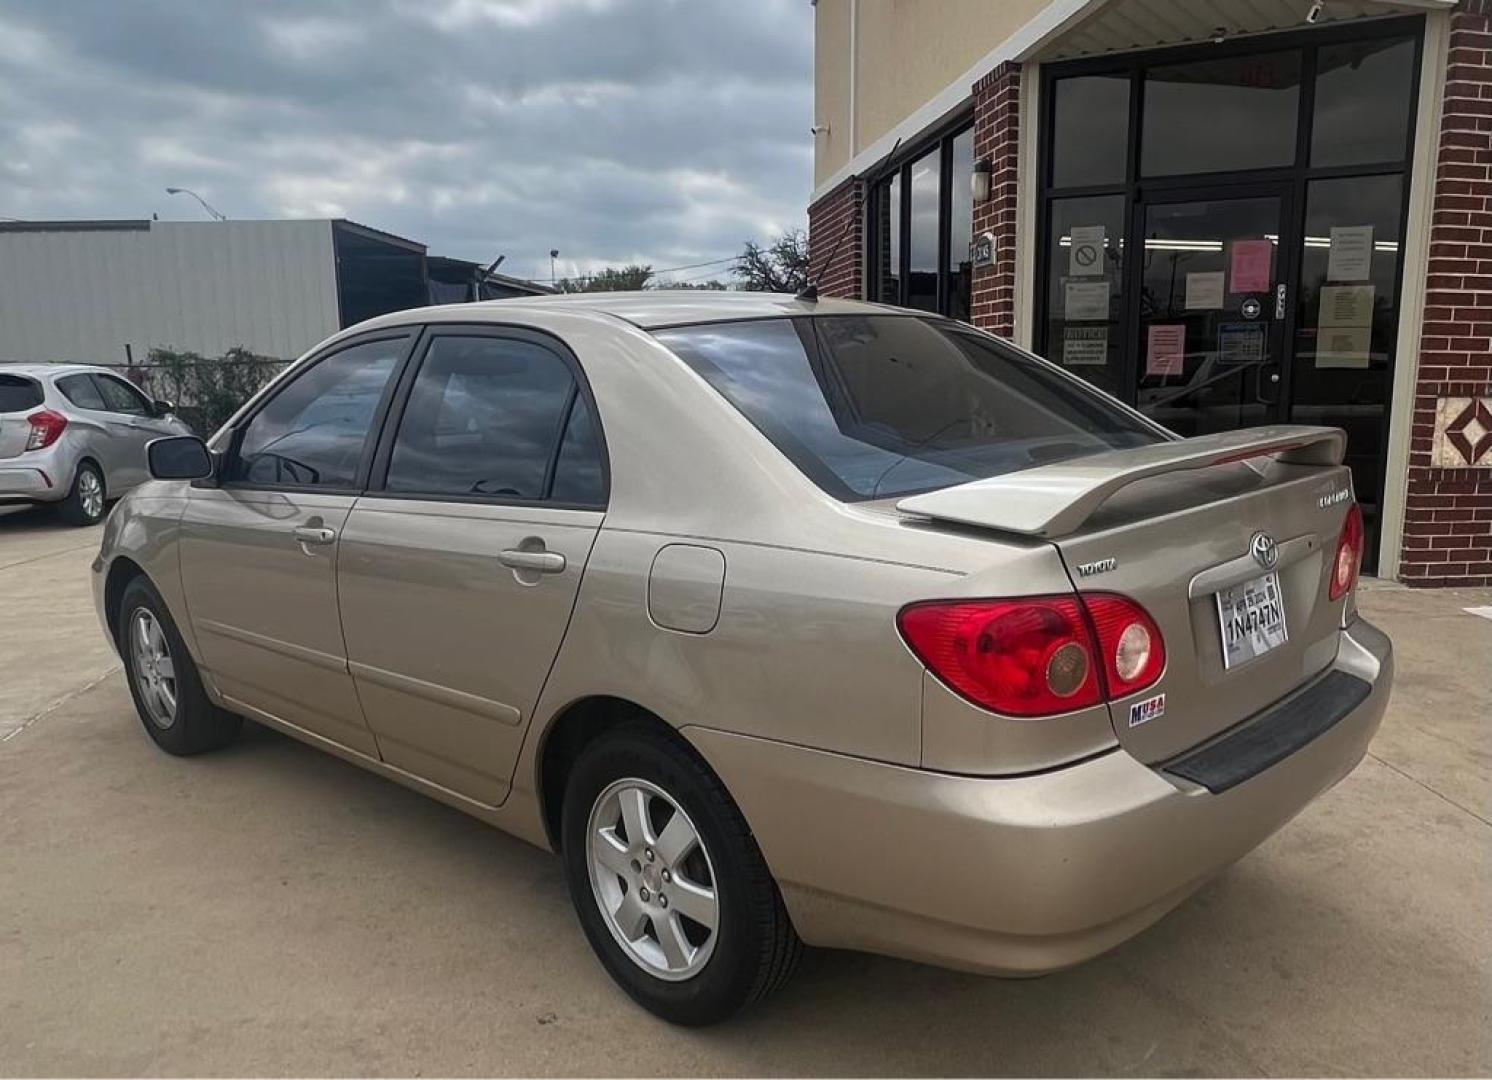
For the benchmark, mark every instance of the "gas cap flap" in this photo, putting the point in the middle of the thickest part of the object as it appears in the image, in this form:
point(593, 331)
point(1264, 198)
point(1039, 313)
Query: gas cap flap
point(684, 588)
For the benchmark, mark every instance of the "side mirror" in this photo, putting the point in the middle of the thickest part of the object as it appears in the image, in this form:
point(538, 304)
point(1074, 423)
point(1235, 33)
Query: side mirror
point(161, 407)
point(179, 457)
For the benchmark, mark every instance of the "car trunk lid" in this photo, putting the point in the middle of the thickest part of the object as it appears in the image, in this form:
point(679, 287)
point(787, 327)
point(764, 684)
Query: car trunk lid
point(1171, 526)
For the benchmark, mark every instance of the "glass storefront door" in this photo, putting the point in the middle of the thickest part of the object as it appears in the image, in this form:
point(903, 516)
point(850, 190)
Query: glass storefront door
point(1221, 231)
point(1209, 342)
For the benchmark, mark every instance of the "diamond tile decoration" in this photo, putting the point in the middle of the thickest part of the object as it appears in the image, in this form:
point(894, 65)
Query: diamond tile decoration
point(1463, 433)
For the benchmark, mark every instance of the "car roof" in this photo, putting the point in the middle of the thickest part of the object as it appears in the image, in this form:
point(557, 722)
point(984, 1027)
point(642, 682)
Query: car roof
point(35, 370)
point(651, 309)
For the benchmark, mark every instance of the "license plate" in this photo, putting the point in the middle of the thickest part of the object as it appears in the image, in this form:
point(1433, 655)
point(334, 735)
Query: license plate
point(1251, 619)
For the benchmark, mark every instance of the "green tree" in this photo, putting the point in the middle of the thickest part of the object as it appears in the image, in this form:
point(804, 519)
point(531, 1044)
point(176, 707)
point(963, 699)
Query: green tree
point(628, 278)
point(781, 266)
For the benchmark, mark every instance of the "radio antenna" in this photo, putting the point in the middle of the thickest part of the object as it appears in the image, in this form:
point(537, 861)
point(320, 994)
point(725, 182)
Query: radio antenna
point(810, 292)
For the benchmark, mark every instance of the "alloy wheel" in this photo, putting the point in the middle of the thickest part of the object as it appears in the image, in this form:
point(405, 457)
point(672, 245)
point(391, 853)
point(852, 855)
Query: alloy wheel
point(652, 879)
point(155, 674)
point(91, 493)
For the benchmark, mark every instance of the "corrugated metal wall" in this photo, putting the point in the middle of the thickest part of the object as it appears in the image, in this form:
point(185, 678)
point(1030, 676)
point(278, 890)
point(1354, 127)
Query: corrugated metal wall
point(80, 295)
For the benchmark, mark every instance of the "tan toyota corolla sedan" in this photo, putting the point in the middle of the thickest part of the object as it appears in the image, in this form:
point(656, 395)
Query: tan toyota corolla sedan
point(781, 621)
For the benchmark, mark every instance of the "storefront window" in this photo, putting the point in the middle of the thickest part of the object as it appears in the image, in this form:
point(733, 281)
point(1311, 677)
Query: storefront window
point(960, 224)
point(1090, 118)
point(1363, 91)
point(1346, 317)
point(1084, 281)
point(888, 237)
point(1228, 114)
point(921, 223)
point(922, 242)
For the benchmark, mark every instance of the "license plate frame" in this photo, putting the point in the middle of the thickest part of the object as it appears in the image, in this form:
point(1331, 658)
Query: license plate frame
point(1251, 619)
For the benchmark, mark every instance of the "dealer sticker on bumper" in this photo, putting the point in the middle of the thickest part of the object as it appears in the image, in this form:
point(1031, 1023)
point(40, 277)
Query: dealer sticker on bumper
point(1251, 619)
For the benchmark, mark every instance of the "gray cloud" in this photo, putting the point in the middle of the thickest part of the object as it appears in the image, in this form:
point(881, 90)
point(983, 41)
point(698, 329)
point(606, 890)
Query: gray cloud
point(662, 131)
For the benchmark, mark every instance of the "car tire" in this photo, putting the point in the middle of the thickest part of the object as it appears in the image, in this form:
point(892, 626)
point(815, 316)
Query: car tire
point(163, 678)
point(712, 973)
point(86, 499)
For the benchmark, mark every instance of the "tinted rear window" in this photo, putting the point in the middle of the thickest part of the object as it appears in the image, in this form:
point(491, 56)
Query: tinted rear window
point(883, 406)
point(17, 394)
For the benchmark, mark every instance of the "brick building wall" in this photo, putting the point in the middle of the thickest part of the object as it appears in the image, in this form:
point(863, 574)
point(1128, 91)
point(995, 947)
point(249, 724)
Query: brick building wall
point(839, 214)
point(1448, 514)
point(997, 138)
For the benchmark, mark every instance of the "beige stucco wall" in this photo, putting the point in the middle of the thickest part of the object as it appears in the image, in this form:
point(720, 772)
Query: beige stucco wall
point(908, 51)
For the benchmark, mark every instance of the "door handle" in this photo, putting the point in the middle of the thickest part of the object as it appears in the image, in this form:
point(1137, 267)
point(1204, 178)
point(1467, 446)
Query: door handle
point(311, 534)
point(540, 562)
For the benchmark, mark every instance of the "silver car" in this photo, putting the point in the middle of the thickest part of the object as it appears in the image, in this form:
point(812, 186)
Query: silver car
point(75, 436)
point(782, 621)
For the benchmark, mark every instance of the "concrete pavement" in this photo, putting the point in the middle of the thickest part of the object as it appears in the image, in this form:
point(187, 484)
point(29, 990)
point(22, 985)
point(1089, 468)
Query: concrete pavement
point(271, 910)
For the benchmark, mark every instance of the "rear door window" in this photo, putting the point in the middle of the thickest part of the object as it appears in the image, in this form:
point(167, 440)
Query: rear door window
point(496, 418)
point(18, 393)
point(873, 406)
point(80, 390)
point(120, 397)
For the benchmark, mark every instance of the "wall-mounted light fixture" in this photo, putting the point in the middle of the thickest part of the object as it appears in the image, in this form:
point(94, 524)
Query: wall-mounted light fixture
point(979, 180)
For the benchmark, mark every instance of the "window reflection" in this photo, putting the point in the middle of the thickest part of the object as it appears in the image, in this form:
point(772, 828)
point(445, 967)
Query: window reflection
point(922, 241)
point(1363, 89)
point(1212, 115)
point(960, 225)
point(888, 246)
point(1091, 132)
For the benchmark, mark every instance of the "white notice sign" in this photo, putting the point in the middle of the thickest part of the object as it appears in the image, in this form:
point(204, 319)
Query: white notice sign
point(1085, 256)
point(1086, 300)
point(1085, 346)
point(1204, 292)
point(1351, 253)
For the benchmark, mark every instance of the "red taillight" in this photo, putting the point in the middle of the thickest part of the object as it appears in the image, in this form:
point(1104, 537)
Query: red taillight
point(46, 428)
point(1348, 560)
point(1037, 656)
point(1029, 657)
point(1133, 651)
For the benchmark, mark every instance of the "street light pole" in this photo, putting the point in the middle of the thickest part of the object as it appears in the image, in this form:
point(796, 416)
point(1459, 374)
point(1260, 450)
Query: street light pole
point(215, 214)
point(553, 254)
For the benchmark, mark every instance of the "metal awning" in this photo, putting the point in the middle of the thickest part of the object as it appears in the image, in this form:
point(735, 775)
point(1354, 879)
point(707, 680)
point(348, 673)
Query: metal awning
point(1108, 26)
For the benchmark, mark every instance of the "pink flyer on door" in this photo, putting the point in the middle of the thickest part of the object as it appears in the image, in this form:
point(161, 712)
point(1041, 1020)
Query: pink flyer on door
point(1252, 262)
point(1167, 346)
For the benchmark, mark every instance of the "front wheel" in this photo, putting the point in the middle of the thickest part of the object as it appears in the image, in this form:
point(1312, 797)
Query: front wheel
point(670, 886)
point(164, 680)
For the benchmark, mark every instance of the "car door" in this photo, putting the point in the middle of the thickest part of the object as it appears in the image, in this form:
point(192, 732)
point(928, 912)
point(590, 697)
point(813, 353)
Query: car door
point(459, 568)
point(259, 550)
point(131, 424)
point(89, 414)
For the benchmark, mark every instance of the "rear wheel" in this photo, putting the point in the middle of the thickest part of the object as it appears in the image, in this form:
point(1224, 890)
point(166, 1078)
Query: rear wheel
point(84, 504)
point(164, 680)
point(669, 884)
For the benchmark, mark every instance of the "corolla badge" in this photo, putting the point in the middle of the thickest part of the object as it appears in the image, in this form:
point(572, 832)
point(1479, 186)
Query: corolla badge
point(1264, 550)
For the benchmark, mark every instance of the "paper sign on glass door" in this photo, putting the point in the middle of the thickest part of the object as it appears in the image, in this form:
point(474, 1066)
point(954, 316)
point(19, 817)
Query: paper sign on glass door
point(1344, 327)
point(1086, 300)
point(1165, 349)
point(1351, 257)
point(1085, 256)
point(1204, 291)
point(1251, 266)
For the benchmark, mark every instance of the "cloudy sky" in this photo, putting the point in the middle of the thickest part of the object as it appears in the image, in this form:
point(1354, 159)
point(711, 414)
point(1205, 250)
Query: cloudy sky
point(657, 131)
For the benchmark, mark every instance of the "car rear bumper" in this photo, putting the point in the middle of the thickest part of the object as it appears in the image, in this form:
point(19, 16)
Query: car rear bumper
point(31, 481)
point(1023, 875)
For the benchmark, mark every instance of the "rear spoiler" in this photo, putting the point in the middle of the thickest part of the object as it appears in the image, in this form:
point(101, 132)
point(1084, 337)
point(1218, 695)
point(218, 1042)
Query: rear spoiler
point(1055, 500)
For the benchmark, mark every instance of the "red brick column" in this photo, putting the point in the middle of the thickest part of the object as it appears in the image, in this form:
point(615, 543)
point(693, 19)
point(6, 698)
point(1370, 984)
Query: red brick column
point(997, 137)
point(1448, 516)
point(827, 220)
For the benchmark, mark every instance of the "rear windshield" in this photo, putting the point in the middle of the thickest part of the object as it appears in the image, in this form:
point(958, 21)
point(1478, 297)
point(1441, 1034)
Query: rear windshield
point(17, 394)
point(880, 406)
